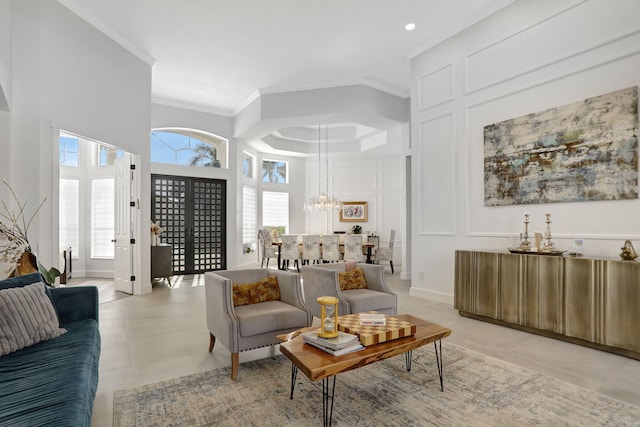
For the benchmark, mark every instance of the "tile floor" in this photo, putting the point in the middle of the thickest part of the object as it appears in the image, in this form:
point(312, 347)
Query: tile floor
point(163, 335)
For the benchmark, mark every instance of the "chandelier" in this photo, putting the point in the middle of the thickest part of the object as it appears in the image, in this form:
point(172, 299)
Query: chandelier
point(323, 201)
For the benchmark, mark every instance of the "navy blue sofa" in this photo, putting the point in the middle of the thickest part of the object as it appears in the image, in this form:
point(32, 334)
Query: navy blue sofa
point(54, 382)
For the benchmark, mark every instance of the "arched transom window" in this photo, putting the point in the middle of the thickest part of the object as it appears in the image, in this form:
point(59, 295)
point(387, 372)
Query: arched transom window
point(188, 147)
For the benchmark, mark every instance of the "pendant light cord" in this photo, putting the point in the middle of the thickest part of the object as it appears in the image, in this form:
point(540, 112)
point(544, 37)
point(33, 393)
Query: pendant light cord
point(319, 170)
point(326, 156)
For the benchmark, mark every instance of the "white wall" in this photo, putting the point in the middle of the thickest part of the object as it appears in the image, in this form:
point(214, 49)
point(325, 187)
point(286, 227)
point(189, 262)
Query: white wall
point(67, 75)
point(528, 57)
point(5, 54)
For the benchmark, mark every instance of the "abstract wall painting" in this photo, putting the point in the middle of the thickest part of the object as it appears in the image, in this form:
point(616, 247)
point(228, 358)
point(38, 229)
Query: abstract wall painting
point(353, 212)
point(583, 151)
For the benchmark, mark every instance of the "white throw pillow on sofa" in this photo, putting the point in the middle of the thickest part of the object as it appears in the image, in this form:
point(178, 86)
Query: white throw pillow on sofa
point(27, 317)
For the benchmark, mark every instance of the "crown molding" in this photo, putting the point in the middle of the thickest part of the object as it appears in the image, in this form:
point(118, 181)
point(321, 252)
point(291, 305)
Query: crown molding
point(401, 93)
point(255, 95)
point(79, 10)
point(193, 107)
point(458, 27)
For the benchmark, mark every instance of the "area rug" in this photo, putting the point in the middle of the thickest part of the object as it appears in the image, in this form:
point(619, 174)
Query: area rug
point(478, 391)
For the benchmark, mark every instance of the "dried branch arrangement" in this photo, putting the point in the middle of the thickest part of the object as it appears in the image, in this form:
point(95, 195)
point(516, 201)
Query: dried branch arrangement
point(14, 227)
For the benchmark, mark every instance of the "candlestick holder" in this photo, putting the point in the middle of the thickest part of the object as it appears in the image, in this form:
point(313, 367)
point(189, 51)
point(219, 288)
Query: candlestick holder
point(525, 244)
point(547, 244)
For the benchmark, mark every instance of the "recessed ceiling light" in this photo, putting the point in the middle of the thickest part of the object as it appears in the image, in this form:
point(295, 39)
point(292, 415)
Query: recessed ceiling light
point(410, 26)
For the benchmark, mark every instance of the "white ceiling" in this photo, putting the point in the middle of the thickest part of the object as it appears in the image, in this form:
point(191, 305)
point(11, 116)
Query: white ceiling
point(213, 55)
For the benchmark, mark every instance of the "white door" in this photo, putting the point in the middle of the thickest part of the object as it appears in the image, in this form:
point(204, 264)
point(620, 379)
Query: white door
point(123, 267)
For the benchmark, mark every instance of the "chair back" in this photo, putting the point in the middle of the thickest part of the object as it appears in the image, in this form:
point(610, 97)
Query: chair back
point(392, 237)
point(266, 236)
point(310, 247)
point(331, 247)
point(267, 249)
point(248, 275)
point(290, 248)
point(386, 253)
point(262, 240)
point(353, 247)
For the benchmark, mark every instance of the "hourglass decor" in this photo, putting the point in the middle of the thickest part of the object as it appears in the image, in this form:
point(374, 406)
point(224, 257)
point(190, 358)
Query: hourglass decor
point(328, 317)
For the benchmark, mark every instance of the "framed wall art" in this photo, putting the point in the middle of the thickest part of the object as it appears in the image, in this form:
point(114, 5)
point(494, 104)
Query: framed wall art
point(353, 212)
point(583, 151)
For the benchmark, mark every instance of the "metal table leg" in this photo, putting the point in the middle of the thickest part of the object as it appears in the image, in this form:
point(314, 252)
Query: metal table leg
point(294, 375)
point(407, 359)
point(327, 400)
point(439, 362)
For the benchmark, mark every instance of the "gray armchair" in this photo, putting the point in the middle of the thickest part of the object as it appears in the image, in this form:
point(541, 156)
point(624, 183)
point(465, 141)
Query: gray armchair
point(321, 281)
point(252, 326)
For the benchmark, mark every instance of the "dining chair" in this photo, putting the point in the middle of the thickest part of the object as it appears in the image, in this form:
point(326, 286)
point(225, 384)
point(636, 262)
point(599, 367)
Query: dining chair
point(353, 248)
point(331, 247)
point(386, 254)
point(290, 251)
point(310, 249)
point(266, 247)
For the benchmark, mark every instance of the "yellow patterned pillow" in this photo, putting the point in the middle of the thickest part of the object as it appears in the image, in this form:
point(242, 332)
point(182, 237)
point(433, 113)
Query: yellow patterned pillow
point(266, 289)
point(353, 279)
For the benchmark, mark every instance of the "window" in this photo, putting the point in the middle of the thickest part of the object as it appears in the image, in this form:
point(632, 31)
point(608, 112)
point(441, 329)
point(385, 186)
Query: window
point(102, 218)
point(188, 148)
point(274, 171)
point(70, 215)
point(249, 220)
point(107, 155)
point(275, 211)
point(247, 164)
point(69, 151)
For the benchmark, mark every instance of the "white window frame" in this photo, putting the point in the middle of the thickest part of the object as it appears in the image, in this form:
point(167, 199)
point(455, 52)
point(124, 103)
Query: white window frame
point(286, 178)
point(275, 209)
point(252, 164)
point(62, 148)
point(102, 218)
point(69, 211)
point(249, 217)
point(194, 138)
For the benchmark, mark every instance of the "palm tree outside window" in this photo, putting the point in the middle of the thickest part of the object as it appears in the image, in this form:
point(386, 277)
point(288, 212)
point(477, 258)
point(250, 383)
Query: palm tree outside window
point(188, 148)
point(274, 171)
point(205, 155)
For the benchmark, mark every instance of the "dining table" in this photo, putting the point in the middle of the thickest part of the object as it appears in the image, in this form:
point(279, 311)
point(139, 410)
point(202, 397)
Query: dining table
point(366, 248)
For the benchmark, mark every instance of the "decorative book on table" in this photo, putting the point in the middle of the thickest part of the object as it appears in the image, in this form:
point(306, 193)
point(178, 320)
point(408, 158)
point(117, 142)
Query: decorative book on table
point(376, 319)
point(343, 340)
point(354, 346)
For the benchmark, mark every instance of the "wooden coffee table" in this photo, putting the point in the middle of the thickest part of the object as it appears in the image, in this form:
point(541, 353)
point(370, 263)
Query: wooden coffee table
point(319, 365)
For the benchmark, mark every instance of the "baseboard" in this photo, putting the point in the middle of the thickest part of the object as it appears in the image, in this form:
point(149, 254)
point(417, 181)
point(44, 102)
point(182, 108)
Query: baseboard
point(94, 274)
point(550, 334)
point(431, 295)
point(252, 264)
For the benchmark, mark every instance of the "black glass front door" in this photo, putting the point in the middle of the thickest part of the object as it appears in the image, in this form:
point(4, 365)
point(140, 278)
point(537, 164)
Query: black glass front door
point(192, 214)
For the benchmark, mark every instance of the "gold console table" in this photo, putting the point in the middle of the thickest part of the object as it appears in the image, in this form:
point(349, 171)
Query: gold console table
point(593, 302)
